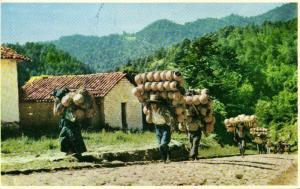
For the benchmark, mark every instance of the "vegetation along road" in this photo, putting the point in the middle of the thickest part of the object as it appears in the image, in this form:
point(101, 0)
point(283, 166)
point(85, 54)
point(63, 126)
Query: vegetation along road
point(249, 170)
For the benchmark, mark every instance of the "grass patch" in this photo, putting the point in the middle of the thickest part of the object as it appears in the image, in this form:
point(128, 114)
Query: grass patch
point(94, 141)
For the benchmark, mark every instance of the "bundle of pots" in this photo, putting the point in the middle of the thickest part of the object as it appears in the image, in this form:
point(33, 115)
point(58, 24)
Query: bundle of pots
point(259, 134)
point(249, 121)
point(167, 85)
point(200, 104)
point(80, 103)
point(259, 131)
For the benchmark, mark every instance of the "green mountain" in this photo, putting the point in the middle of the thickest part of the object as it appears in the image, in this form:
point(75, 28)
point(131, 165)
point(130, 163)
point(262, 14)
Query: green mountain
point(248, 70)
point(46, 59)
point(109, 52)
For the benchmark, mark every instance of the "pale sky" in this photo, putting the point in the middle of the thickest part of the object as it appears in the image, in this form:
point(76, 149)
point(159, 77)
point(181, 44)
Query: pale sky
point(49, 21)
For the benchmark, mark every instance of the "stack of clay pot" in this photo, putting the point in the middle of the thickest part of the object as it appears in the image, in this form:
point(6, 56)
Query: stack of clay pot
point(247, 120)
point(200, 102)
point(259, 131)
point(81, 103)
point(168, 85)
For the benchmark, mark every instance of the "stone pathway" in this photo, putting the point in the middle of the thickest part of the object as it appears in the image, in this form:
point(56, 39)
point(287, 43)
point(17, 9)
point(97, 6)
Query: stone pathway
point(249, 170)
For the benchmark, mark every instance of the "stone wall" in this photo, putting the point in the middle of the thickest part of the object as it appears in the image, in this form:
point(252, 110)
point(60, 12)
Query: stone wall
point(121, 93)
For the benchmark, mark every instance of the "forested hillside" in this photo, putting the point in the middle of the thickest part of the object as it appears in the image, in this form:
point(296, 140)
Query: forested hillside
point(108, 52)
point(46, 60)
point(250, 70)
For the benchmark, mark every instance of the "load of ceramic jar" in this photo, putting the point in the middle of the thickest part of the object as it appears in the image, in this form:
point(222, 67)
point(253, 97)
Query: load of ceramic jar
point(259, 131)
point(249, 121)
point(167, 85)
point(200, 105)
point(80, 103)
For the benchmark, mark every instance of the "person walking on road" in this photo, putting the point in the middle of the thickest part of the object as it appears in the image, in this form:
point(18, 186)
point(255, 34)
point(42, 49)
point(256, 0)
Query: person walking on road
point(164, 120)
point(71, 141)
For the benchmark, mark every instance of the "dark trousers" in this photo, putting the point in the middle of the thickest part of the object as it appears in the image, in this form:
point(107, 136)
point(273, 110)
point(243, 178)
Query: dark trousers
point(261, 148)
point(163, 135)
point(194, 137)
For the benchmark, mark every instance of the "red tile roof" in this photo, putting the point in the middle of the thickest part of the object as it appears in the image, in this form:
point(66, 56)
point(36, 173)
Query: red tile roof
point(7, 53)
point(98, 84)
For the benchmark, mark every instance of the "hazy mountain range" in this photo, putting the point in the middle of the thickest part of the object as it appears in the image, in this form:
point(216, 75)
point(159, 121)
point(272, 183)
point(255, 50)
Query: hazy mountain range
point(109, 52)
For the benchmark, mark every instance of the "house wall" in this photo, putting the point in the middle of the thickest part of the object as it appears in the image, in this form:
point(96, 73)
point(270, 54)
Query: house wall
point(39, 115)
point(121, 93)
point(9, 91)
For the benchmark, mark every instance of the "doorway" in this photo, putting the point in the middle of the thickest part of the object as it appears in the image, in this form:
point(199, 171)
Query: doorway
point(123, 116)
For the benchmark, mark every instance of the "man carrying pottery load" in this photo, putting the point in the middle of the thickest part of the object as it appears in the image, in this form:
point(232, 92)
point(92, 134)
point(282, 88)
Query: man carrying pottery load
point(240, 137)
point(194, 127)
point(71, 141)
point(163, 119)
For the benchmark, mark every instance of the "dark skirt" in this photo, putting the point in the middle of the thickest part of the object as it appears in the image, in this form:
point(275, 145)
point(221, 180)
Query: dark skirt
point(71, 140)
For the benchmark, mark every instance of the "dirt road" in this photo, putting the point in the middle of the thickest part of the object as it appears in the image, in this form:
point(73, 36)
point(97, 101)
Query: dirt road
point(250, 170)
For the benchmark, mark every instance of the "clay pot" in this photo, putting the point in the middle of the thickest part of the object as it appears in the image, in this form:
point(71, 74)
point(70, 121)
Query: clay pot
point(203, 111)
point(135, 92)
point(196, 100)
point(188, 100)
point(154, 86)
point(179, 110)
point(147, 86)
point(181, 83)
point(140, 88)
point(67, 100)
point(209, 118)
point(181, 127)
point(166, 85)
point(149, 76)
point(230, 129)
point(198, 91)
point(156, 76)
point(143, 77)
point(163, 75)
point(175, 102)
point(180, 118)
point(160, 86)
point(148, 118)
point(253, 118)
point(163, 94)
point(203, 98)
point(145, 110)
point(236, 120)
point(78, 99)
point(204, 91)
point(170, 95)
point(176, 96)
point(138, 79)
point(177, 76)
point(173, 85)
point(226, 122)
point(209, 128)
point(169, 75)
